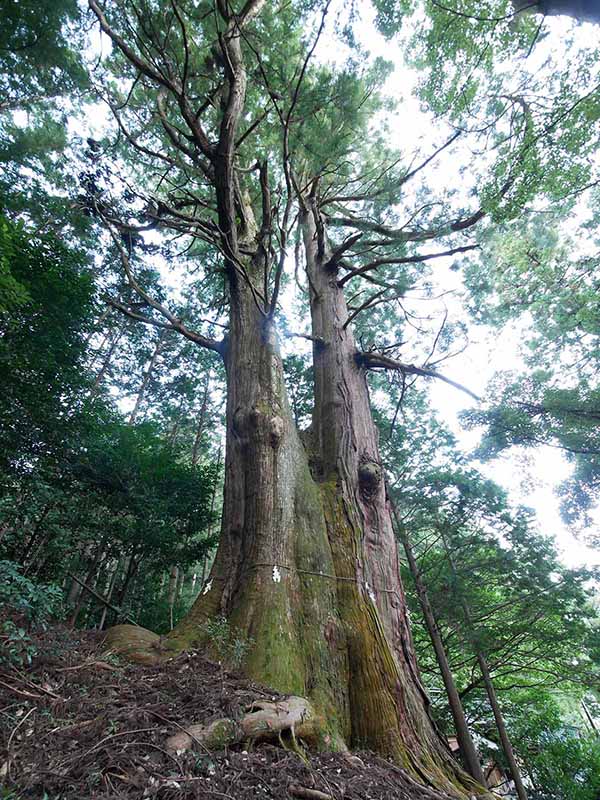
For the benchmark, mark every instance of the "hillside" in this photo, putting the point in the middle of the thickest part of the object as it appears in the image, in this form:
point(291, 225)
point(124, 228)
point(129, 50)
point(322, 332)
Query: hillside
point(79, 723)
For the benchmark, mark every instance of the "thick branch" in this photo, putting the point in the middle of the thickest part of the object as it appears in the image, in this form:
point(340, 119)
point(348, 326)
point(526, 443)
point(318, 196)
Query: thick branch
point(379, 361)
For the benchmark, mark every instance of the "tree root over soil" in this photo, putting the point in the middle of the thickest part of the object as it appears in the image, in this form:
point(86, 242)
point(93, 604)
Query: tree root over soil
point(265, 720)
point(73, 728)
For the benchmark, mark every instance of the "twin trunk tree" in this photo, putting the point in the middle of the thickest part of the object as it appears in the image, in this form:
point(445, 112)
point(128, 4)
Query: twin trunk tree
point(307, 565)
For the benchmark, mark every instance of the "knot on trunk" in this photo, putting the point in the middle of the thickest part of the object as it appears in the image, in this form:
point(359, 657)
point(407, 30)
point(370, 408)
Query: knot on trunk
point(277, 426)
point(258, 423)
point(369, 478)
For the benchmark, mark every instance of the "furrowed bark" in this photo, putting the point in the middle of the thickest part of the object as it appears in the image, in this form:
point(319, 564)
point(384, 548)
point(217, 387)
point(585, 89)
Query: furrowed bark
point(388, 704)
point(306, 569)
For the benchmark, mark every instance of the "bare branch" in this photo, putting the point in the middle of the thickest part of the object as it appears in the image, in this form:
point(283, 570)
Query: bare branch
point(416, 259)
point(175, 323)
point(379, 361)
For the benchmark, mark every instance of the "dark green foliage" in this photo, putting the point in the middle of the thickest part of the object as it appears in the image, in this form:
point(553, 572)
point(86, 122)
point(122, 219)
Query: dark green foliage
point(39, 55)
point(561, 759)
point(48, 296)
point(157, 504)
point(26, 606)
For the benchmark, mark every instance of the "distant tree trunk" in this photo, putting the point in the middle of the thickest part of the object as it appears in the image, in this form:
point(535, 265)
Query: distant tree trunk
point(91, 572)
point(4, 529)
point(201, 423)
point(467, 748)
point(109, 594)
point(172, 437)
point(107, 359)
point(180, 582)
point(147, 375)
point(129, 573)
point(74, 592)
point(33, 539)
point(173, 577)
point(589, 718)
point(489, 685)
point(99, 322)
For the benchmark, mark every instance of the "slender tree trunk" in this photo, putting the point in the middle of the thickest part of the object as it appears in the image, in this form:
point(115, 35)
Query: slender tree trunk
point(172, 438)
point(109, 594)
point(107, 359)
point(489, 687)
point(589, 718)
point(99, 322)
point(180, 582)
point(4, 529)
point(500, 724)
point(467, 748)
point(147, 375)
point(172, 592)
point(33, 538)
point(74, 592)
point(129, 573)
point(201, 423)
point(80, 596)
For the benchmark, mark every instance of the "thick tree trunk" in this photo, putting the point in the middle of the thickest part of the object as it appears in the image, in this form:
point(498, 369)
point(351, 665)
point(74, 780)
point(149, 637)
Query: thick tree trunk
point(307, 564)
point(307, 567)
point(388, 705)
point(273, 542)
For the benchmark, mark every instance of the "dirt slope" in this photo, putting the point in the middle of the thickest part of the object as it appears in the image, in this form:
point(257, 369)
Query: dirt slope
point(78, 724)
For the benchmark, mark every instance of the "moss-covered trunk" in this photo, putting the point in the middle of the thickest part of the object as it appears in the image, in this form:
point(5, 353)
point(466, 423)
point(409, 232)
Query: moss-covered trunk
point(273, 540)
point(388, 705)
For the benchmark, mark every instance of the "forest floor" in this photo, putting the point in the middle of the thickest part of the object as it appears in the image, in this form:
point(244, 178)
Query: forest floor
point(80, 724)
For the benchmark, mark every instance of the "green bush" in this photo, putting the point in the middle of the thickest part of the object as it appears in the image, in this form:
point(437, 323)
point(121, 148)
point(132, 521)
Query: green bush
point(26, 606)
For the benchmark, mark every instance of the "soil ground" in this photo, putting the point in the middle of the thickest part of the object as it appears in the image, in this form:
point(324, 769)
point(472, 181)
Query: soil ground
point(80, 724)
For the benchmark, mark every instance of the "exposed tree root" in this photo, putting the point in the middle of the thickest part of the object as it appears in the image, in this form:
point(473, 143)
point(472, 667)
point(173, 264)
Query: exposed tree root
point(264, 720)
point(136, 644)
